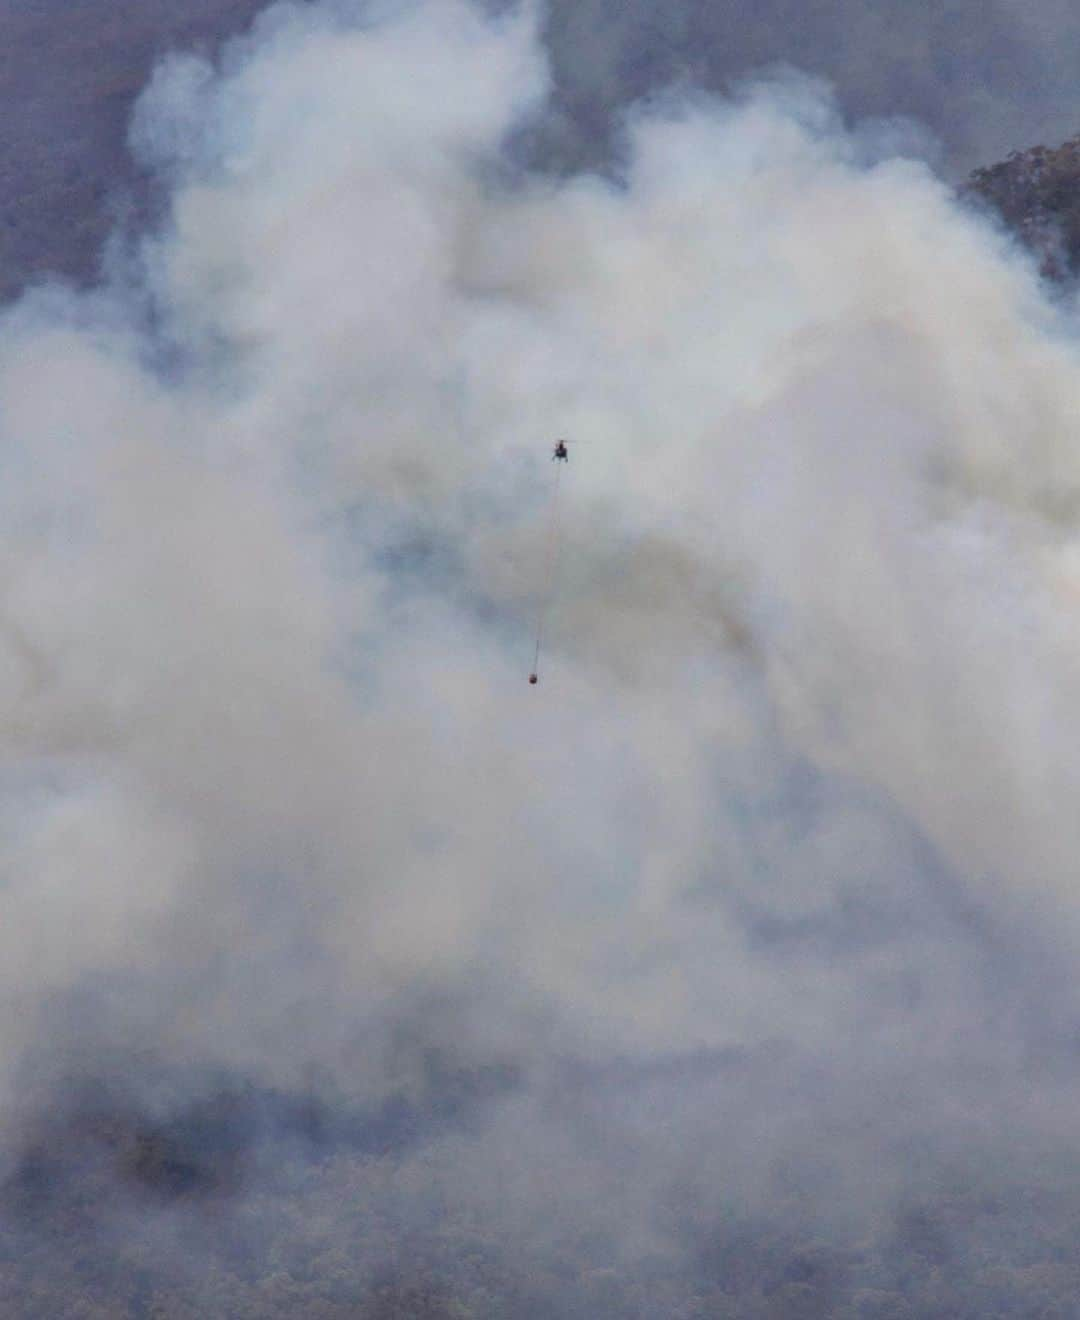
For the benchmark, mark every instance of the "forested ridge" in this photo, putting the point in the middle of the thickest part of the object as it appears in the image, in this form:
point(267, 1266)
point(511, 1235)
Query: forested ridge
point(1037, 195)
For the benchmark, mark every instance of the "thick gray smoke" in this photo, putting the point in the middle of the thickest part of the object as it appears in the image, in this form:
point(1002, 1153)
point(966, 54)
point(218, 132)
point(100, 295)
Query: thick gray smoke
point(770, 883)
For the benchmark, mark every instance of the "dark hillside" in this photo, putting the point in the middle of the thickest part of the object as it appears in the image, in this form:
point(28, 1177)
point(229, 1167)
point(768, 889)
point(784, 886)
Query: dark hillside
point(1037, 194)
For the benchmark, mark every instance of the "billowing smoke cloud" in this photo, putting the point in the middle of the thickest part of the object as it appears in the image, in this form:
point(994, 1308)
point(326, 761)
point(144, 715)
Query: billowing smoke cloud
point(764, 898)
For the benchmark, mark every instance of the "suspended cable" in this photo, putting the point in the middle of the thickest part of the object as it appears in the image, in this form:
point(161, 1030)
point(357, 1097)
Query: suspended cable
point(551, 556)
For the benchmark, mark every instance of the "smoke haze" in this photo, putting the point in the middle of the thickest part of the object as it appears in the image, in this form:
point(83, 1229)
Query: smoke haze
point(761, 907)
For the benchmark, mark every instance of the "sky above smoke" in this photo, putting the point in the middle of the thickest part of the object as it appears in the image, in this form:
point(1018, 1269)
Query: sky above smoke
point(986, 76)
point(798, 783)
point(981, 77)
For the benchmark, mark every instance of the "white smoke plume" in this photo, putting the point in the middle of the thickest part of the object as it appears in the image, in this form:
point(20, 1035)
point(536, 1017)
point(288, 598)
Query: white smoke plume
point(801, 772)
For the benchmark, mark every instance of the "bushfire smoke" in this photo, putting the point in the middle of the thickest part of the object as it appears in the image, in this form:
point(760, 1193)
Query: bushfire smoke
point(762, 904)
